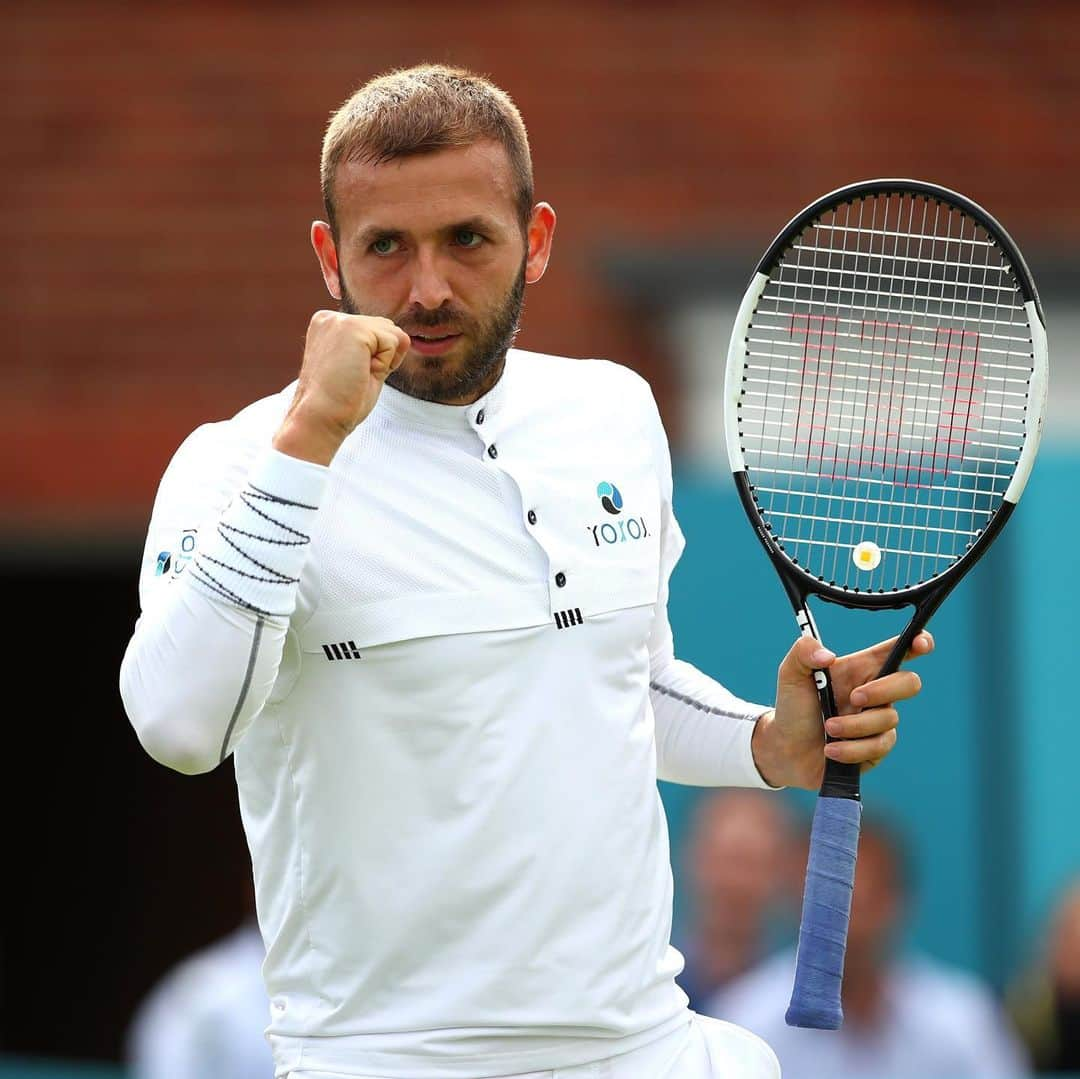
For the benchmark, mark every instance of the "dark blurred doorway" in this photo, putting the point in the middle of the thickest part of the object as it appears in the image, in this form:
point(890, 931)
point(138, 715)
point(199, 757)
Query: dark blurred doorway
point(116, 867)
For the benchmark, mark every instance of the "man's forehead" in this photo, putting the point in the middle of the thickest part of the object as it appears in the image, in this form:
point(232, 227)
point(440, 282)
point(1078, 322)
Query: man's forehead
point(453, 184)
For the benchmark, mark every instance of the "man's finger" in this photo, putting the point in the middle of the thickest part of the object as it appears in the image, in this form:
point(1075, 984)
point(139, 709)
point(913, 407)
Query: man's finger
point(386, 348)
point(404, 343)
point(861, 666)
point(862, 750)
point(868, 724)
point(922, 645)
point(900, 686)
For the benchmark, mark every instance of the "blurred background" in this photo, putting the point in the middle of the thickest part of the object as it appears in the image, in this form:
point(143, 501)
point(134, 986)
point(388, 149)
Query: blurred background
point(161, 166)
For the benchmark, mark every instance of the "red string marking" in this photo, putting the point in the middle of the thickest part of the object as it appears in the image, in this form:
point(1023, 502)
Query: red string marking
point(818, 336)
point(878, 446)
point(961, 392)
point(884, 419)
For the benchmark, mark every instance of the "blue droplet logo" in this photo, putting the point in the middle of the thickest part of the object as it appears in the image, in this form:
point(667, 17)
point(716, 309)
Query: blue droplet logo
point(609, 497)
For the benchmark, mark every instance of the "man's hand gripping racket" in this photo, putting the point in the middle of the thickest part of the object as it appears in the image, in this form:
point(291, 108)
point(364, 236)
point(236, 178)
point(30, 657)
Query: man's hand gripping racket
point(885, 389)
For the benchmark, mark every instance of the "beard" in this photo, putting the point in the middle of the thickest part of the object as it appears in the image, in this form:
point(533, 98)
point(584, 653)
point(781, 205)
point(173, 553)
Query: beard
point(426, 377)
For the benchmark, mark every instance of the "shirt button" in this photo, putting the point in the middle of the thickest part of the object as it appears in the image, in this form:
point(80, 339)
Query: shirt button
point(492, 452)
point(532, 517)
point(480, 416)
point(560, 579)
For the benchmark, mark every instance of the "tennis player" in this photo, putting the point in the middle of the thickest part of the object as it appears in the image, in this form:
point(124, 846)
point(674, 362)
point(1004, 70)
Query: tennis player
point(420, 595)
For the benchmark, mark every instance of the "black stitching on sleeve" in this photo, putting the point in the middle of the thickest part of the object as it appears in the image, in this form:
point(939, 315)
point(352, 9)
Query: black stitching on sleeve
point(227, 532)
point(266, 539)
point(206, 578)
point(260, 493)
point(276, 576)
point(699, 705)
point(249, 500)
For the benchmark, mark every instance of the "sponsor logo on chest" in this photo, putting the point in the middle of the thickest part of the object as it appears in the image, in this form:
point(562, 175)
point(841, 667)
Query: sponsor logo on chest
point(618, 528)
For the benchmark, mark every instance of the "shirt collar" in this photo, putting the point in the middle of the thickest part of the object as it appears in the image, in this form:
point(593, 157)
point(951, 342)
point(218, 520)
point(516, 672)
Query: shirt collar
point(412, 410)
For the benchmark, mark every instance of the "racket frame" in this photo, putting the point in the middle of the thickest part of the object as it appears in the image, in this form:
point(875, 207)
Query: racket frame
point(819, 1005)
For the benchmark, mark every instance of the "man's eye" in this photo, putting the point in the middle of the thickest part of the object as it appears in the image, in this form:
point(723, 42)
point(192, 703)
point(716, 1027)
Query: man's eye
point(468, 238)
point(385, 245)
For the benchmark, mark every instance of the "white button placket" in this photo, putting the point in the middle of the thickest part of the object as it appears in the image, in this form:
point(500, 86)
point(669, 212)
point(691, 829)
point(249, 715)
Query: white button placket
point(557, 577)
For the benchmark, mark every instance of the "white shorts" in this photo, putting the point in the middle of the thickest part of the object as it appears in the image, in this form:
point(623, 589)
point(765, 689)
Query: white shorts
point(704, 1049)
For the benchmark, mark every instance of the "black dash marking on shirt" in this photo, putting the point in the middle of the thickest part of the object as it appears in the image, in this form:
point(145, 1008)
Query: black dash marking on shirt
point(566, 619)
point(342, 650)
point(701, 706)
point(252, 655)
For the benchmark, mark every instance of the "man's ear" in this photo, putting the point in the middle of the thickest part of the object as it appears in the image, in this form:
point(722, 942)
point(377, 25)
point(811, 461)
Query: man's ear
point(322, 239)
point(538, 241)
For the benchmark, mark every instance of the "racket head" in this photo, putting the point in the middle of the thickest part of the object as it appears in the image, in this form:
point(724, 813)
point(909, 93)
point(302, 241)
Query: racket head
point(885, 389)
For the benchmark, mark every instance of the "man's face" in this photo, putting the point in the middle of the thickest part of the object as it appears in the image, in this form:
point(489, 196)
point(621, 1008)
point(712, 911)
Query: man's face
point(435, 243)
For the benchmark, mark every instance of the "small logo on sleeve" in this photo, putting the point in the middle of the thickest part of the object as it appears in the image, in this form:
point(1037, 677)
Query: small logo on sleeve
point(174, 562)
point(342, 650)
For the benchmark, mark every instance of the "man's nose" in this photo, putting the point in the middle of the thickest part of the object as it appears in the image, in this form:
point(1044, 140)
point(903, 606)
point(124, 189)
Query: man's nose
point(430, 287)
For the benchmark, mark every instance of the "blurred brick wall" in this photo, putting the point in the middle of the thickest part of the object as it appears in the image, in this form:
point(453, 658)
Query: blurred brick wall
point(161, 165)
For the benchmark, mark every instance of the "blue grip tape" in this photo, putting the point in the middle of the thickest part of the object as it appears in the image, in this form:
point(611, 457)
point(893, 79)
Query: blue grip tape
point(830, 877)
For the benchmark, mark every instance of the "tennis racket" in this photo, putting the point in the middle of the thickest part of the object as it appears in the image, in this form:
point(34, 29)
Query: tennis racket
point(884, 395)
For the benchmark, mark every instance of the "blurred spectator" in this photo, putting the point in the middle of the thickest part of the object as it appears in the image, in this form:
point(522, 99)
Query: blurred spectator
point(905, 1016)
point(1045, 1000)
point(205, 1019)
point(740, 862)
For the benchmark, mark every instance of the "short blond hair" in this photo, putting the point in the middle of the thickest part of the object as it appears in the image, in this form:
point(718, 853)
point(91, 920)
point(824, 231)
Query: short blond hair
point(421, 109)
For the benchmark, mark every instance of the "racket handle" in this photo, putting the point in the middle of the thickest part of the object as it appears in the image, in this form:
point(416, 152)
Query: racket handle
point(830, 877)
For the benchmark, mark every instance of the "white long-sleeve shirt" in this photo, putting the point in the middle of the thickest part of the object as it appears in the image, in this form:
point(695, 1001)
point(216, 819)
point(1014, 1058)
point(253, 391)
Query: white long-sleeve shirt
point(445, 671)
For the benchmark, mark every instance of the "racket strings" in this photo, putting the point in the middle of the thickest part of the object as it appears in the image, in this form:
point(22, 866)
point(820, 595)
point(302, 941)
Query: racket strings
point(884, 397)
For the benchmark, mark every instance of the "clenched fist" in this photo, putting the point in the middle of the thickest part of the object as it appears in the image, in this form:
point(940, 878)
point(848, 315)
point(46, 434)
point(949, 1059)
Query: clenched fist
point(346, 361)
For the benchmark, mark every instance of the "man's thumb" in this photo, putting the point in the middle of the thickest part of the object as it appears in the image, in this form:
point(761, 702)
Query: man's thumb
point(806, 656)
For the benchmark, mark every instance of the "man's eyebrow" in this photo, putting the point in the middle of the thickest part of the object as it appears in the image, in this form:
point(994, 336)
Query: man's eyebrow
point(370, 233)
point(477, 223)
point(487, 226)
